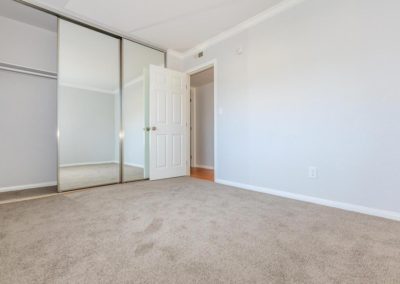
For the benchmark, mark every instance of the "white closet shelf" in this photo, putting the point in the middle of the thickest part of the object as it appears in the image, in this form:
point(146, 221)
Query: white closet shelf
point(27, 70)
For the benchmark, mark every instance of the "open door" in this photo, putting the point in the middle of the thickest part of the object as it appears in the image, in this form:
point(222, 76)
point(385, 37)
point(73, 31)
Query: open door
point(169, 103)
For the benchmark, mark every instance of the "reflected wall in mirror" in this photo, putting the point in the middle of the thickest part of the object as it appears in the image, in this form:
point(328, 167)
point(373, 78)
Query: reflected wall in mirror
point(88, 107)
point(136, 62)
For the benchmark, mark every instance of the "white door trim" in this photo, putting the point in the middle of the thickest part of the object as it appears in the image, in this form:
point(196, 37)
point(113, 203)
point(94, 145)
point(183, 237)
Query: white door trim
point(199, 68)
point(193, 128)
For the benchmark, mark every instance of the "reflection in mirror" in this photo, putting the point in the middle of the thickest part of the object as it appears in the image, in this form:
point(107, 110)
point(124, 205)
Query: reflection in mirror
point(88, 108)
point(136, 62)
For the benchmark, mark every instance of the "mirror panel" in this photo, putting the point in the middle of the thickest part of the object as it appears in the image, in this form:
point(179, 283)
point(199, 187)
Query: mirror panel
point(136, 62)
point(88, 107)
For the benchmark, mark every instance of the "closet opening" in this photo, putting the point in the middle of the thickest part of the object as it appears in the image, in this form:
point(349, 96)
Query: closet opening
point(28, 88)
point(84, 111)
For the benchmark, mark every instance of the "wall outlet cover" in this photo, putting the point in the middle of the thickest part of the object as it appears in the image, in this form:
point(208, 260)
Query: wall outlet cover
point(312, 172)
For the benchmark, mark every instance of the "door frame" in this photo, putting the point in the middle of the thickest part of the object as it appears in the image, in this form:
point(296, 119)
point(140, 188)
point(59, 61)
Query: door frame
point(196, 69)
point(193, 130)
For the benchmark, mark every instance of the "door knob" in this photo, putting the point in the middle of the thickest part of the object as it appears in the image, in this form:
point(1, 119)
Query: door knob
point(154, 128)
point(146, 128)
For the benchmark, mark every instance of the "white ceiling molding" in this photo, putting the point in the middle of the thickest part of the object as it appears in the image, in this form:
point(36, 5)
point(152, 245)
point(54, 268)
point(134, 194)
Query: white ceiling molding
point(268, 13)
point(176, 54)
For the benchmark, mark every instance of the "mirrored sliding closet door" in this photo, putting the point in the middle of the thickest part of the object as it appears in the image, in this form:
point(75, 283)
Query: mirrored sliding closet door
point(88, 107)
point(135, 107)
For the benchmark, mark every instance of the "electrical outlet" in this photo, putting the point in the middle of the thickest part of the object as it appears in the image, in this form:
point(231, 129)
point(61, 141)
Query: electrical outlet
point(312, 172)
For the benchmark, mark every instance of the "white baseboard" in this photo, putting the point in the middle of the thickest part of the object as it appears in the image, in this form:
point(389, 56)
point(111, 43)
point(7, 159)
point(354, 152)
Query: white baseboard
point(392, 215)
point(88, 164)
point(134, 165)
point(28, 186)
point(204, 167)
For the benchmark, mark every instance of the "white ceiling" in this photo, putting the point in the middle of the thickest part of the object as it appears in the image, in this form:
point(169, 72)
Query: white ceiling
point(202, 78)
point(22, 13)
point(172, 24)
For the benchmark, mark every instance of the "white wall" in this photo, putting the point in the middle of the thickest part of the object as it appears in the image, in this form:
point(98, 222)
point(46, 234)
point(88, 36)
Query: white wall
point(28, 125)
point(316, 85)
point(87, 125)
point(28, 141)
point(204, 125)
point(174, 62)
point(27, 45)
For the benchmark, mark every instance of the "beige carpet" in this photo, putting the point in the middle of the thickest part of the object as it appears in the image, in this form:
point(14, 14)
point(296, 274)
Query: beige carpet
point(93, 175)
point(191, 231)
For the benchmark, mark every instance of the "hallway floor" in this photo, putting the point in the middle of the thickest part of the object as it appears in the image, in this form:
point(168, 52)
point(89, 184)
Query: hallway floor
point(201, 173)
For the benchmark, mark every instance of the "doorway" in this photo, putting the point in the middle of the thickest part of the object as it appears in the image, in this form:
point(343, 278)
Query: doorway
point(202, 124)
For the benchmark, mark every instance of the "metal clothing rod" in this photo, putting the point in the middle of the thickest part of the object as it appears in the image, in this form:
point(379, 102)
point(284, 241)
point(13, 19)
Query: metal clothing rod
point(27, 70)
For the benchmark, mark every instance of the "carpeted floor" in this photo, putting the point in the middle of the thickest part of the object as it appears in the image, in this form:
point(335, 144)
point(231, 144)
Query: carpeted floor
point(74, 177)
point(187, 230)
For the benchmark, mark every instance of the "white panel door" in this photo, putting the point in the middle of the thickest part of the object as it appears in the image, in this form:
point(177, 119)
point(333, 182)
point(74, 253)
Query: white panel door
point(169, 123)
